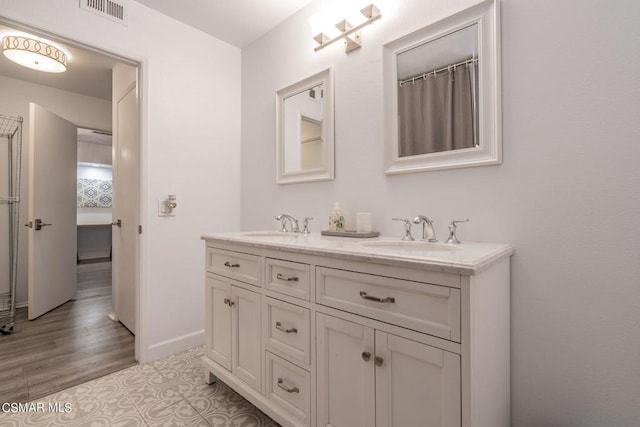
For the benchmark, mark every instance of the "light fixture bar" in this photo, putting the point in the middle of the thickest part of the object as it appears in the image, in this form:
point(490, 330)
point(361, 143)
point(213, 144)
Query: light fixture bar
point(371, 12)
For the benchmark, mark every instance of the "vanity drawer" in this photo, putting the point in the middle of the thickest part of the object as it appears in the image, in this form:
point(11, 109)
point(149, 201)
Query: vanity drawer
point(287, 330)
point(235, 265)
point(289, 387)
point(432, 309)
point(288, 278)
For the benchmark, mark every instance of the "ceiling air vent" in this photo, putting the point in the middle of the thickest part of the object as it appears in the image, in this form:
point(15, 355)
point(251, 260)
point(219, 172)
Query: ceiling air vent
point(112, 10)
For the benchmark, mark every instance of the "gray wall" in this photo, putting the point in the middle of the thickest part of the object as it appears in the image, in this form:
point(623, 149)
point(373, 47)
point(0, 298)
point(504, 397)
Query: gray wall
point(566, 197)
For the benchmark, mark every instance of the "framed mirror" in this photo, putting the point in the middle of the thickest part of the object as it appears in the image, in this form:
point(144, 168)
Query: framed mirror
point(442, 94)
point(304, 114)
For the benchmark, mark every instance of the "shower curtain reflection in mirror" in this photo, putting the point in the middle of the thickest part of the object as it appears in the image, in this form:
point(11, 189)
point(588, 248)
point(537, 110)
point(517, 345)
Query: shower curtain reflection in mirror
point(437, 111)
point(437, 93)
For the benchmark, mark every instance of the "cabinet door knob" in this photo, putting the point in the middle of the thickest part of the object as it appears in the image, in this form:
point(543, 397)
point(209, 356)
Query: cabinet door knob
point(229, 302)
point(364, 295)
point(231, 265)
point(287, 389)
point(366, 356)
point(378, 360)
point(286, 330)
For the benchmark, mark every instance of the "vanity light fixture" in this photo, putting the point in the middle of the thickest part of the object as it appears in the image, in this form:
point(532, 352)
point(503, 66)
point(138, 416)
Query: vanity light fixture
point(35, 54)
point(350, 33)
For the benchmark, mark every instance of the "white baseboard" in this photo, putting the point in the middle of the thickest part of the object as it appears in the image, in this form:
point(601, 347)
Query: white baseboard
point(175, 345)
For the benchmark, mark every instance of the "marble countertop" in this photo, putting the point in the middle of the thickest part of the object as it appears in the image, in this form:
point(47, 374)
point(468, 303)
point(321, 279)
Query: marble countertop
point(468, 258)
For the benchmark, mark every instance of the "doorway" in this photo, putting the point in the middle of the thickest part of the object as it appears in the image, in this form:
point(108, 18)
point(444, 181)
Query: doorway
point(82, 119)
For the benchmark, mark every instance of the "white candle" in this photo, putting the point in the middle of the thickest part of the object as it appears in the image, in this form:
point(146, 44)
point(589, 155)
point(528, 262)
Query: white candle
point(363, 222)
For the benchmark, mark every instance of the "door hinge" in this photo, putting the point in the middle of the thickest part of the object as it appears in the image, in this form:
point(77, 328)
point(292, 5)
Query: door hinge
point(139, 229)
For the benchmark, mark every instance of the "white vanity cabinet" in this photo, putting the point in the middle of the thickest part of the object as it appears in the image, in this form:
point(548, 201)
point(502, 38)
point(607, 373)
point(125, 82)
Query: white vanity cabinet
point(324, 332)
point(372, 378)
point(416, 384)
point(233, 311)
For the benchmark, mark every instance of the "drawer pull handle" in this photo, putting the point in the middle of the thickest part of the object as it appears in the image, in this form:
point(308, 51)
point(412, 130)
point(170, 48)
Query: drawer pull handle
point(366, 356)
point(378, 360)
point(281, 276)
point(364, 295)
point(285, 330)
point(287, 389)
point(230, 265)
point(229, 302)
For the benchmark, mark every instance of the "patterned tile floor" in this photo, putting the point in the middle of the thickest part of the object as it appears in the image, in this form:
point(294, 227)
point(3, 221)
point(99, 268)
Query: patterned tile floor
point(168, 392)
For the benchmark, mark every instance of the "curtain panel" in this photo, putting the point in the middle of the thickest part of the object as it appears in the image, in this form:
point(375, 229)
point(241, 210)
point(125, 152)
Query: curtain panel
point(438, 113)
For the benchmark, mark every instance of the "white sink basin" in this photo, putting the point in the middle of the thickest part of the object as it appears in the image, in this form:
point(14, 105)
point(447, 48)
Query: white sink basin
point(267, 234)
point(403, 245)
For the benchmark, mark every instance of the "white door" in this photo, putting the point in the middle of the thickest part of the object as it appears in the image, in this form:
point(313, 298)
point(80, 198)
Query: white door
point(416, 384)
point(52, 245)
point(125, 209)
point(218, 340)
point(246, 333)
point(346, 383)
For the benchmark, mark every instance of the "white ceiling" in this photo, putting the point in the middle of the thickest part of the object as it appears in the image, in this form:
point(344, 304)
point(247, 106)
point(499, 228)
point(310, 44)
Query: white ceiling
point(239, 22)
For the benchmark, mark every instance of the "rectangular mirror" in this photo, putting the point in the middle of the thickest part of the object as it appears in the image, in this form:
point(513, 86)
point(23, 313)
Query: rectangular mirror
point(304, 114)
point(442, 94)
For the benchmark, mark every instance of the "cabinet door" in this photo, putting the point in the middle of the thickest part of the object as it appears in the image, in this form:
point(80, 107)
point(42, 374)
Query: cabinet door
point(218, 339)
point(416, 385)
point(345, 369)
point(246, 333)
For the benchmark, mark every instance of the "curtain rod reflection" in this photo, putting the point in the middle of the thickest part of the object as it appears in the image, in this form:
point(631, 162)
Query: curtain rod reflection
point(434, 72)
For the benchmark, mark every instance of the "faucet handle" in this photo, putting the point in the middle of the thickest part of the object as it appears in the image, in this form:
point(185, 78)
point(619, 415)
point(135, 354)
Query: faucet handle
point(407, 228)
point(282, 218)
point(455, 221)
point(305, 225)
point(453, 239)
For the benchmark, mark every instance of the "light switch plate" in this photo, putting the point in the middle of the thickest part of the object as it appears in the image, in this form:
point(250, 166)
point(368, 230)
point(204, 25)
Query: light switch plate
point(163, 208)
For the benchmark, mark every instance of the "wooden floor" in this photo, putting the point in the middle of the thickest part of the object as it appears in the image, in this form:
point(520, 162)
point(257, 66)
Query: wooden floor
point(70, 345)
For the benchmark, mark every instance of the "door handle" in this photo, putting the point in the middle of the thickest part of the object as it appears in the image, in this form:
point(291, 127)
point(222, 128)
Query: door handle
point(38, 224)
point(118, 223)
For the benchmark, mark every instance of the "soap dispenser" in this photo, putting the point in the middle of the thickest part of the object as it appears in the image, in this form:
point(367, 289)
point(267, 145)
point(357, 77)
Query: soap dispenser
point(336, 218)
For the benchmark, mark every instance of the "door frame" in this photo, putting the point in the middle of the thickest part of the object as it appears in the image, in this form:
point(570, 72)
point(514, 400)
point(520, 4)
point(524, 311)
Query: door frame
point(142, 65)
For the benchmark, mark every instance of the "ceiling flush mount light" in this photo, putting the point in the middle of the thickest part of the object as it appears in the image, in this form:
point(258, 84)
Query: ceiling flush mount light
point(349, 32)
point(35, 54)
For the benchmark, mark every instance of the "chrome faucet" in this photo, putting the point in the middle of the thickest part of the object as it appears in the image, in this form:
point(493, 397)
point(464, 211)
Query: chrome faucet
point(407, 228)
point(294, 223)
point(428, 232)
